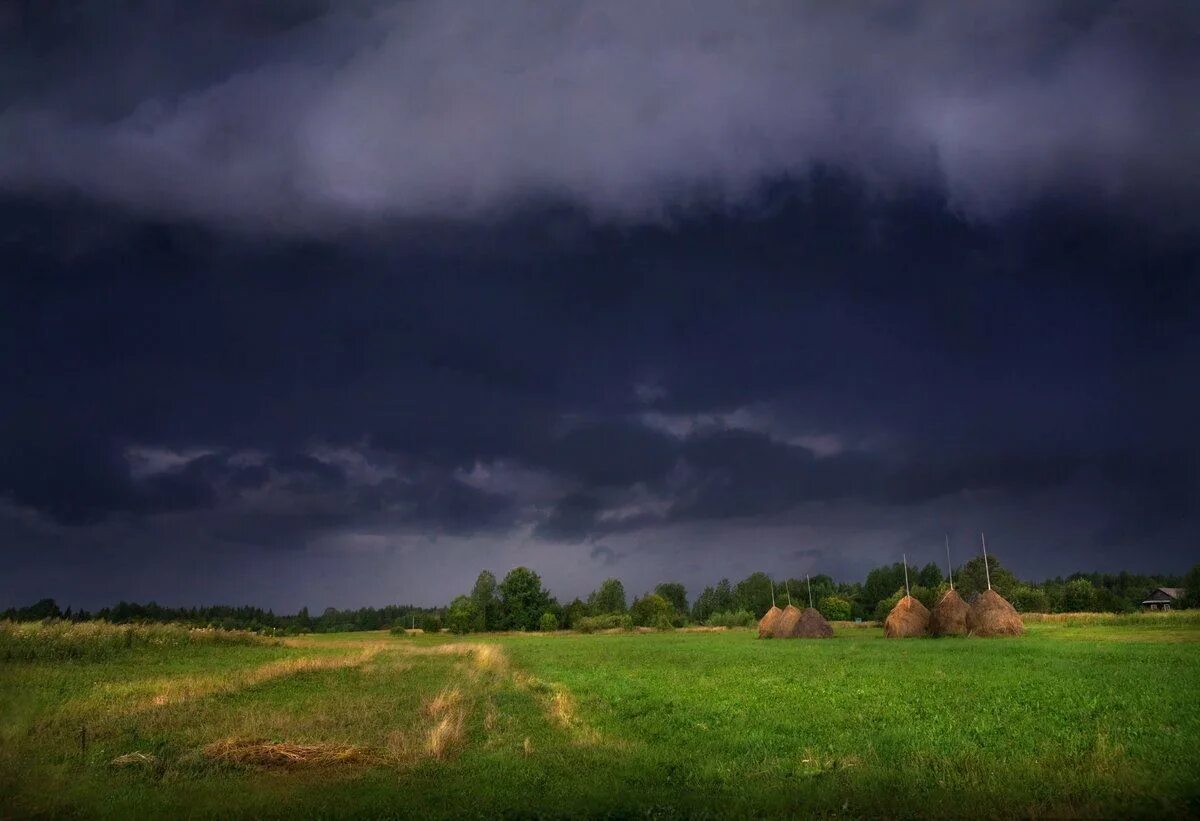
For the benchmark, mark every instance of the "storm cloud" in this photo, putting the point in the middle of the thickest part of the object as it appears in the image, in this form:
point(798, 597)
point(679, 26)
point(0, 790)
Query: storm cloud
point(337, 304)
point(313, 117)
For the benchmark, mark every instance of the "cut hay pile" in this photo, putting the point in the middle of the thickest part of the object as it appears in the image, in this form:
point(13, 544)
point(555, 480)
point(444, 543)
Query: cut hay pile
point(137, 759)
point(262, 753)
point(812, 625)
point(950, 616)
point(992, 615)
point(908, 619)
point(766, 625)
point(789, 622)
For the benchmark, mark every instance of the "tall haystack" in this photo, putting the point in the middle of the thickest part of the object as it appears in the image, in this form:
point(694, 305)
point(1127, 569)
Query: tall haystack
point(992, 615)
point(812, 625)
point(908, 619)
point(789, 623)
point(950, 615)
point(766, 625)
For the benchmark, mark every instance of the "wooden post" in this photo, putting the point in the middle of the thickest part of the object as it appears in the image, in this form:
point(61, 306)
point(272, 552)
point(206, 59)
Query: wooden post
point(987, 570)
point(808, 579)
point(949, 565)
point(905, 558)
point(788, 588)
point(772, 592)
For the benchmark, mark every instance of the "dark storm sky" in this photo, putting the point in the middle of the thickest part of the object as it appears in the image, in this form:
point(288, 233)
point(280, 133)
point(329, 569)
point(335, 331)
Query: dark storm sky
point(337, 304)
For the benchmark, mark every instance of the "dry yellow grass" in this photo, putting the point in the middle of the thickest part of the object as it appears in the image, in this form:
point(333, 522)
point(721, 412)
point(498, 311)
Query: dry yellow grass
point(261, 753)
point(448, 699)
point(186, 688)
point(449, 715)
point(439, 735)
point(559, 707)
point(136, 759)
point(562, 708)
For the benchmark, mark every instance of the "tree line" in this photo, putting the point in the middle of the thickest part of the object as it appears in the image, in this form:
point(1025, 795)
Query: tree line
point(520, 601)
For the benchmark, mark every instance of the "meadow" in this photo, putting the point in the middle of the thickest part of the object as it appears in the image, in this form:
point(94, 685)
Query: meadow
point(1084, 716)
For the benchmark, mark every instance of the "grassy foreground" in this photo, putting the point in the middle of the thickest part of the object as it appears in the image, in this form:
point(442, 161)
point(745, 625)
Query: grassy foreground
point(1079, 718)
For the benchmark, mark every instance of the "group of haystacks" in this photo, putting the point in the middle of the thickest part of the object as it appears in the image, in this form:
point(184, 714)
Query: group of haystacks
point(793, 623)
point(989, 615)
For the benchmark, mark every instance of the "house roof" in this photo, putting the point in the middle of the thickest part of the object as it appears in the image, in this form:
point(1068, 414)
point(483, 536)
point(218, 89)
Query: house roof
point(1168, 593)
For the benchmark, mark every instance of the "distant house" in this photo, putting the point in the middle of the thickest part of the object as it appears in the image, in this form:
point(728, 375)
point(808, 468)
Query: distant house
point(1162, 598)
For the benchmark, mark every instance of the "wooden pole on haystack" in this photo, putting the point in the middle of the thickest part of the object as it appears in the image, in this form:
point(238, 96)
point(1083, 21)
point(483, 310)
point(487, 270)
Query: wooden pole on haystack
point(808, 579)
point(949, 566)
point(788, 588)
point(772, 592)
point(987, 571)
point(905, 558)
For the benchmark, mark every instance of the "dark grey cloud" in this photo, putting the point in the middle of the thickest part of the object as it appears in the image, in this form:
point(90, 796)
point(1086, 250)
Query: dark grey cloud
point(572, 519)
point(316, 116)
point(501, 379)
point(605, 555)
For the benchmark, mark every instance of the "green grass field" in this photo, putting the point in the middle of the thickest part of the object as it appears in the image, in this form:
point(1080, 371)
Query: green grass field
point(1078, 718)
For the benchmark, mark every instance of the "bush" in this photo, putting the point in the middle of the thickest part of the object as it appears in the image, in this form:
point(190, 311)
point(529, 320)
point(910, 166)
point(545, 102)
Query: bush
point(608, 621)
point(884, 607)
point(1079, 596)
point(431, 624)
point(652, 610)
point(1027, 599)
point(463, 616)
point(732, 618)
point(834, 608)
point(549, 622)
point(398, 629)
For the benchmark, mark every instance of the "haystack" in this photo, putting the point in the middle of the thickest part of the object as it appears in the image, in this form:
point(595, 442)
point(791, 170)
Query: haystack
point(788, 624)
point(812, 625)
point(992, 615)
point(908, 618)
point(950, 615)
point(766, 625)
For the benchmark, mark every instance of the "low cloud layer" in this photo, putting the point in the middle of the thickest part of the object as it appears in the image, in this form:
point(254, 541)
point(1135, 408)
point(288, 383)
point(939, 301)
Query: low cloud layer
point(323, 116)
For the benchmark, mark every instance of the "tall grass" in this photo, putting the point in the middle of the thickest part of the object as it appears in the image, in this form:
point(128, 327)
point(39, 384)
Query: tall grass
point(1164, 619)
point(94, 640)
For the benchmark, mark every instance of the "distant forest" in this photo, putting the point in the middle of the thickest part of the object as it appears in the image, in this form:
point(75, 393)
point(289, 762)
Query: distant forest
point(521, 602)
